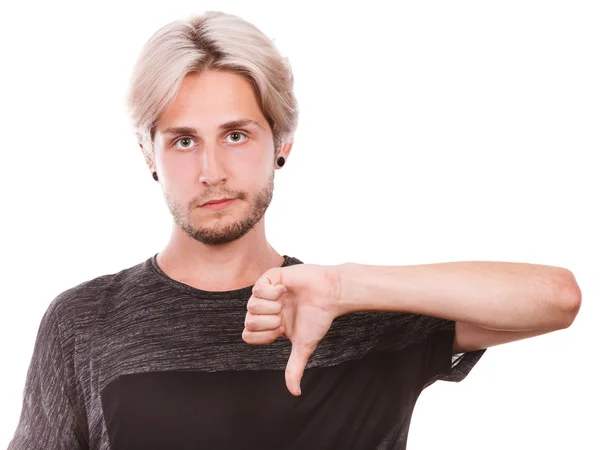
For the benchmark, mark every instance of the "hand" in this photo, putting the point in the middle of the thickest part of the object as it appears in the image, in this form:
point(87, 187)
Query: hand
point(298, 302)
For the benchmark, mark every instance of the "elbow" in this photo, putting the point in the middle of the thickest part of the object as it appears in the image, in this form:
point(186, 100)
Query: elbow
point(568, 296)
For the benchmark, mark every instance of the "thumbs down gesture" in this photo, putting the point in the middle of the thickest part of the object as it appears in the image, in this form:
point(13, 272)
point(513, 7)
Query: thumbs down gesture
point(297, 302)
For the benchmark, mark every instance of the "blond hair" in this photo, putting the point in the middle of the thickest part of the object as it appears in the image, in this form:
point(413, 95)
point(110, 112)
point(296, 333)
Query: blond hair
point(214, 40)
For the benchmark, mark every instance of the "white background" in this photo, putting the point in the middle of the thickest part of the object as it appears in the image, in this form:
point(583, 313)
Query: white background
point(429, 132)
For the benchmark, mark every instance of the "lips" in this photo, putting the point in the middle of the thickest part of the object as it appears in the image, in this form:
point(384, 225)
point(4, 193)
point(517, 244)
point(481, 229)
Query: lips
point(216, 201)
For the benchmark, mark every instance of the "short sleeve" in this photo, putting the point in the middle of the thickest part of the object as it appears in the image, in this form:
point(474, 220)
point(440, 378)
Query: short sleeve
point(48, 419)
point(440, 363)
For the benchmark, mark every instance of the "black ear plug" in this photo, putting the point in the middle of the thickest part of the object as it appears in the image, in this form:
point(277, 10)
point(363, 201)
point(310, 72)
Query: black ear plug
point(280, 161)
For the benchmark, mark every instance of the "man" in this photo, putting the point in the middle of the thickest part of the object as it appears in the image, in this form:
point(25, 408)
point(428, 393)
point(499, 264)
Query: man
point(220, 342)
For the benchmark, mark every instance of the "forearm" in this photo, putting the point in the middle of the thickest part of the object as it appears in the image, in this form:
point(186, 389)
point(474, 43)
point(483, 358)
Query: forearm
point(494, 295)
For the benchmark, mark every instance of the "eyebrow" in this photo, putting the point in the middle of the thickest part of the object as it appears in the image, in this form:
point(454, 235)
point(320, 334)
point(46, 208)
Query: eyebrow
point(224, 126)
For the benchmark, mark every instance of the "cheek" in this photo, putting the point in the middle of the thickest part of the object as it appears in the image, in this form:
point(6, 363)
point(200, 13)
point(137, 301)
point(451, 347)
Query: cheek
point(178, 178)
point(251, 164)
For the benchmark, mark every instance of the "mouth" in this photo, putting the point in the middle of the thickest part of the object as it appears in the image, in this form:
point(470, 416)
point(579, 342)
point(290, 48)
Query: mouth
point(219, 200)
point(218, 204)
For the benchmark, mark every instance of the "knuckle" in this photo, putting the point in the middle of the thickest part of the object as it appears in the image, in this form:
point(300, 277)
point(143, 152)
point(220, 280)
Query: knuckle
point(259, 290)
point(251, 324)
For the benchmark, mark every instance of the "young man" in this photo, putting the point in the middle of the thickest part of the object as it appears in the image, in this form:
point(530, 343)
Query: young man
point(207, 343)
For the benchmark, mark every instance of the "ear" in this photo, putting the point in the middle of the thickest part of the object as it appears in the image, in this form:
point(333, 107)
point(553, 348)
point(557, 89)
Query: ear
point(149, 161)
point(285, 149)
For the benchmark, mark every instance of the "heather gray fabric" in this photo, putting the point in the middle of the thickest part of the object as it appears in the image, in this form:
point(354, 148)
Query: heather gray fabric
point(140, 321)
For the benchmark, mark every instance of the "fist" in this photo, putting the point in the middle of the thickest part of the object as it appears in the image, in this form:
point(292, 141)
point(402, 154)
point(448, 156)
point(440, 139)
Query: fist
point(299, 303)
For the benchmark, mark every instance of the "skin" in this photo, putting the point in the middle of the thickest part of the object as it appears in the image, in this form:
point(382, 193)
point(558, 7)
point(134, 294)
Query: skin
point(226, 249)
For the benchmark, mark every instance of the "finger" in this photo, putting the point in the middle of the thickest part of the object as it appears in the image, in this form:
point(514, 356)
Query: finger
point(262, 322)
point(261, 306)
point(268, 291)
point(260, 337)
point(295, 367)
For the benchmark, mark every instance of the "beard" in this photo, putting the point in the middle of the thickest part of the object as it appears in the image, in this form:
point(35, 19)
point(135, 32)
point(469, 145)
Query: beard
point(220, 233)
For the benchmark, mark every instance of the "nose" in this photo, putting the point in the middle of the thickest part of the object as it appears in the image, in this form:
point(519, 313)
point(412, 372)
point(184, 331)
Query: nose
point(212, 169)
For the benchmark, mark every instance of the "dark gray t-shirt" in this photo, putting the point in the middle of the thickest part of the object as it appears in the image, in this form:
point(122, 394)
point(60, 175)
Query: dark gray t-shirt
point(137, 360)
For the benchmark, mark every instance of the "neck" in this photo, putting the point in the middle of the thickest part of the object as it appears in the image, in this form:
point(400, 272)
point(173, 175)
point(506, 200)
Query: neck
point(218, 268)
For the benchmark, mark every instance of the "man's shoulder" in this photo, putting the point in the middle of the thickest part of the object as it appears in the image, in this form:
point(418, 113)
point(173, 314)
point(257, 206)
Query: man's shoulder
point(84, 298)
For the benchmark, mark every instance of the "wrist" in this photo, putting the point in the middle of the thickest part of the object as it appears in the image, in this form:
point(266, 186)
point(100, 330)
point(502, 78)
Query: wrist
point(345, 302)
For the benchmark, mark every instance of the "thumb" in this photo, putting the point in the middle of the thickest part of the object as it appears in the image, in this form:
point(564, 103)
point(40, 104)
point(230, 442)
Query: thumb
point(271, 276)
point(295, 366)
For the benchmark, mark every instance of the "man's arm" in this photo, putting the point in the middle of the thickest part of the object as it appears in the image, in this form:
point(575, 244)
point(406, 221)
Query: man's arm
point(492, 302)
point(49, 418)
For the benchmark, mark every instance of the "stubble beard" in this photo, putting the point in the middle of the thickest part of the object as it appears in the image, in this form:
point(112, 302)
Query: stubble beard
point(220, 233)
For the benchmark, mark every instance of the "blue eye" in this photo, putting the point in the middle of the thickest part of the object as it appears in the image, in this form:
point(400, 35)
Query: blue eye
point(239, 135)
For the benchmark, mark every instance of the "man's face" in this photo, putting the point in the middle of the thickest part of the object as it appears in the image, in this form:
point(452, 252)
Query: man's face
point(212, 159)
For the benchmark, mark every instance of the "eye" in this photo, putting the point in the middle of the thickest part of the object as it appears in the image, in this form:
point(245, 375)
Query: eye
point(185, 141)
point(237, 137)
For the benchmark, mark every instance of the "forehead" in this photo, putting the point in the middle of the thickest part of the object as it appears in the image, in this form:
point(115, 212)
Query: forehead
point(212, 97)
